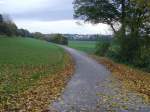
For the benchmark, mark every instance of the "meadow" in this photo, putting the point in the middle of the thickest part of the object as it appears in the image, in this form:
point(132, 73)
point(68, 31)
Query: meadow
point(86, 46)
point(24, 61)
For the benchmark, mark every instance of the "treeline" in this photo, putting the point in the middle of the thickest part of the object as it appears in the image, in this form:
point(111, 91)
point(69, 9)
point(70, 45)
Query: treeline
point(130, 22)
point(10, 29)
point(55, 38)
point(7, 27)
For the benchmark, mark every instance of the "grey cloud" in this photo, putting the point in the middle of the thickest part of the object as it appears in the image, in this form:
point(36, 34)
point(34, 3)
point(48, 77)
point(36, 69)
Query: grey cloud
point(46, 15)
point(48, 10)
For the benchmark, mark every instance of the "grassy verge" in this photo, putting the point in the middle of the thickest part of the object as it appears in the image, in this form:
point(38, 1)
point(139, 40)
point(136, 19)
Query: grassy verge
point(86, 46)
point(32, 73)
point(131, 78)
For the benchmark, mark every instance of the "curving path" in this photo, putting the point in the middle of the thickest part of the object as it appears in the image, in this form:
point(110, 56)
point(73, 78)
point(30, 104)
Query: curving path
point(92, 89)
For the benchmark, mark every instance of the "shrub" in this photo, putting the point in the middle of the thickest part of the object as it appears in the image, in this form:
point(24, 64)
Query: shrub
point(23, 33)
point(59, 39)
point(134, 49)
point(142, 59)
point(102, 48)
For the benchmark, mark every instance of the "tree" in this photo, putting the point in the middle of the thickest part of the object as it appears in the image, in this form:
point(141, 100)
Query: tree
point(134, 19)
point(1, 18)
point(98, 11)
point(37, 35)
point(7, 26)
point(137, 28)
point(111, 12)
point(57, 38)
point(24, 33)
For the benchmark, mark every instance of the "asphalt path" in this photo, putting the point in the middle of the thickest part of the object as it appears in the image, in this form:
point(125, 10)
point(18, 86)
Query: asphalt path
point(93, 89)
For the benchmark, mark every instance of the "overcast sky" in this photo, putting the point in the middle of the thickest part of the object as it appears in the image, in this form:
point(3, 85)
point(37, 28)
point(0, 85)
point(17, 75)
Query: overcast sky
point(48, 16)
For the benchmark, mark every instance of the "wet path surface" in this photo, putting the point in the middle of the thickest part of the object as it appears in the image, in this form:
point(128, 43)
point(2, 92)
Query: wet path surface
point(92, 89)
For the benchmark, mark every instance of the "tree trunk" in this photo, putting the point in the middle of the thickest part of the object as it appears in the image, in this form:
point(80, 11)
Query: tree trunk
point(123, 18)
point(114, 30)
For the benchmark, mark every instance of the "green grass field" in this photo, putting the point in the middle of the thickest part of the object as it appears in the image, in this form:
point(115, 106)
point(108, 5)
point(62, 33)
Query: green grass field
point(86, 46)
point(23, 61)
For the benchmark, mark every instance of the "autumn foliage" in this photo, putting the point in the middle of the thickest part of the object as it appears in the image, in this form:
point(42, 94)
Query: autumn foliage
point(33, 75)
point(131, 78)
